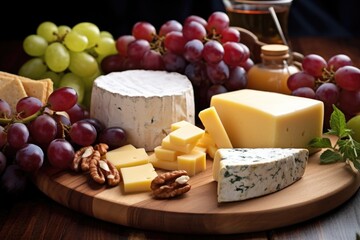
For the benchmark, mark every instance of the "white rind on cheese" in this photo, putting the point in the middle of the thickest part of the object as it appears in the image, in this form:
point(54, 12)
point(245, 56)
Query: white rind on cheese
point(244, 173)
point(144, 103)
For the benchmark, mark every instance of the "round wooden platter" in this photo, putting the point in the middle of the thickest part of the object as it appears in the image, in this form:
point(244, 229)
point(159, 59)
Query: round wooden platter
point(322, 188)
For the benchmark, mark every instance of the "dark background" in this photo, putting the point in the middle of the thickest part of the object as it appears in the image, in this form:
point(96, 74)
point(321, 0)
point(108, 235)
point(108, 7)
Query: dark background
point(333, 18)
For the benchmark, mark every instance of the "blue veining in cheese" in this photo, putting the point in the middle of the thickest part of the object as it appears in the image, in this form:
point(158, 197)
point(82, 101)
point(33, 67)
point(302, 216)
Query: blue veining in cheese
point(244, 173)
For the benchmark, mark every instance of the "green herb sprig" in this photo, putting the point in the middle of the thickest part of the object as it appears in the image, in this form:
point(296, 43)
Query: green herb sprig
point(344, 149)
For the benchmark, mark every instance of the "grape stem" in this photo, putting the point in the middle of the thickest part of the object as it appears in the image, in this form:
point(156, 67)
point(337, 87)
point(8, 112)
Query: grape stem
point(16, 119)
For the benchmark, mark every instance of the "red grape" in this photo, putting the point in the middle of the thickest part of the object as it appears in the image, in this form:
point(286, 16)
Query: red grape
point(28, 106)
point(215, 89)
point(218, 73)
point(144, 30)
point(230, 34)
point(137, 49)
point(3, 163)
point(112, 63)
point(194, 30)
point(122, 44)
point(218, 21)
point(60, 153)
point(304, 92)
point(5, 110)
point(169, 26)
point(43, 129)
point(175, 42)
point(234, 54)
point(213, 52)
point(314, 65)
point(3, 137)
point(349, 102)
point(328, 93)
point(338, 61)
point(76, 113)
point(13, 181)
point(237, 79)
point(174, 62)
point(152, 60)
point(30, 158)
point(17, 135)
point(114, 137)
point(193, 50)
point(300, 79)
point(62, 99)
point(348, 78)
point(83, 133)
point(195, 18)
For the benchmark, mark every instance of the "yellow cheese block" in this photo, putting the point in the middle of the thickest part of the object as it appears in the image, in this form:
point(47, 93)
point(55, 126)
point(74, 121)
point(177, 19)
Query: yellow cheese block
point(128, 158)
point(186, 135)
point(165, 165)
point(206, 140)
point(193, 162)
point(138, 178)
point(213, 125)
point(164, 154)
point(255, 119)
point(187, 148)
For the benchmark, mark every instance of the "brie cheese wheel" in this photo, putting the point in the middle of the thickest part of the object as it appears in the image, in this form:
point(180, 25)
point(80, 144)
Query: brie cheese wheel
point(244, 173)
point(144, 103)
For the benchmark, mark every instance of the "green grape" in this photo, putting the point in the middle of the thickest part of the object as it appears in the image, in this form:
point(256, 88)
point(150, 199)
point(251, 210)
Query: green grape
point(34, 68)
point(75, 41)
point(72, 80)
point(35, 45)
point(105, 46)
point(88, 81)
point(55, 77)
point(48, 30)
point(90, 30)
point(83, 64)
point(63, 30)
point(57, 57)
point(106, 34)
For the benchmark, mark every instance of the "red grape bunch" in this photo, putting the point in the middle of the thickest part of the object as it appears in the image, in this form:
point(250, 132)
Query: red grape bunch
point(37, 134)
point(335, 82)
point(208, 52)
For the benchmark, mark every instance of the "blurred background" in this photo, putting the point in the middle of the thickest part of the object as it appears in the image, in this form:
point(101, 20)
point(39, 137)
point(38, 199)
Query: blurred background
point(330, 18)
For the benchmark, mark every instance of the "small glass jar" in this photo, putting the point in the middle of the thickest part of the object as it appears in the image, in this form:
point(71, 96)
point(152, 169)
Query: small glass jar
point(272, 73)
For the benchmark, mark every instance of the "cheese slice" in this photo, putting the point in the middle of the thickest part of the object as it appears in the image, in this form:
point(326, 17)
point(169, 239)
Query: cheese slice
point(212, 123)
point(247, 173)
point(138, 178)
point(193, 162)
point(259, 119)
point(127, 158)
point(187, 148)
point(144, 102)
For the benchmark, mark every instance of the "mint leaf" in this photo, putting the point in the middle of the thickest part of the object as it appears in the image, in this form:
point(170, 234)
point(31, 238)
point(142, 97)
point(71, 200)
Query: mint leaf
point(337, 123)
point(320, 143)
point(330, 156)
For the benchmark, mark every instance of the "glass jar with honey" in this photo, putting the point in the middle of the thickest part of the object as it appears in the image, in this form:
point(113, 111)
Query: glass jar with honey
point(272, 72)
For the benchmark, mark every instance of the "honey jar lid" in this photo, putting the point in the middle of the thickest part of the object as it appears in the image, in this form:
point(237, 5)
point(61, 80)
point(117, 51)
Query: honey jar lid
point(274, 49)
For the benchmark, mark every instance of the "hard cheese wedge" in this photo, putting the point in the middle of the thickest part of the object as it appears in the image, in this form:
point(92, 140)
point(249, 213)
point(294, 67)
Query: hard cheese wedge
point(127, 158)
point(259, 119)
point(244, 173)
point(138, 178)
point(211, 120)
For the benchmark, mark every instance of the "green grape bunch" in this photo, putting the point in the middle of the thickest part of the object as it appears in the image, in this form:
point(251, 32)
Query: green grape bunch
point(70, 57)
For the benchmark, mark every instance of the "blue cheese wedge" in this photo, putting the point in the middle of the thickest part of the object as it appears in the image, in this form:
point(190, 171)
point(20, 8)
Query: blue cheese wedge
point(244, 173)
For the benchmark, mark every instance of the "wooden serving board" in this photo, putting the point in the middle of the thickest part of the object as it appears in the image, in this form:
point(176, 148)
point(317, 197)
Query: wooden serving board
point(322, 188)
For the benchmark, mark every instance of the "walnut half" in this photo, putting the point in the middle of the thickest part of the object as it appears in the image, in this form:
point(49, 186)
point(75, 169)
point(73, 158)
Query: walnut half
point(170, 184)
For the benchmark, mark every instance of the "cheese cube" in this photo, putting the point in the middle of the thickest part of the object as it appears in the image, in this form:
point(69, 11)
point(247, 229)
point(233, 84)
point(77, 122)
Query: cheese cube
point(165, 154)
point(255, 119)
point(138, 178)
point(212, 123)
point(187, 134)
point(193, 162)
point(165, 165)
point(187, 148)
point(125, 147)
point(206, 140)
point(128, 158)
point(247, 173)
point(178, 125)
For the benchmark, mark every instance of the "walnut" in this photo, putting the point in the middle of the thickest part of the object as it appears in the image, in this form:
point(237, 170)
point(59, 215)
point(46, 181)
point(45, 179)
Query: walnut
point(102, 148)
point(101, 170)
point(82, 158)
point(170, 184)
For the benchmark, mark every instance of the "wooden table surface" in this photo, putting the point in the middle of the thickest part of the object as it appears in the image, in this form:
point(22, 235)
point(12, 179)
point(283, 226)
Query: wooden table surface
point(36, 216)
